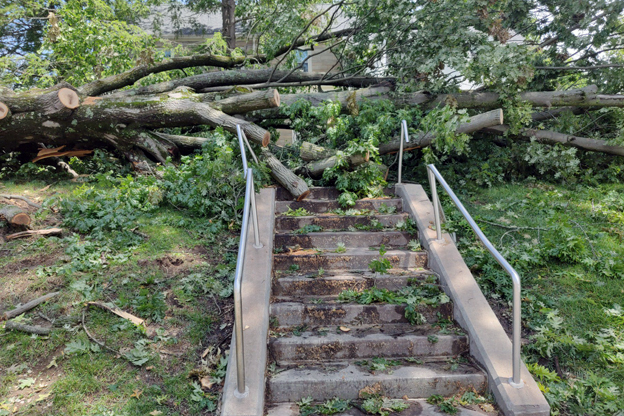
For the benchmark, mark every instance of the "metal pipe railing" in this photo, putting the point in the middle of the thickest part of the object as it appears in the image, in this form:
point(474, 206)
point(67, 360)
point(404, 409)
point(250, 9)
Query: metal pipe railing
point(434, 175)
point(404, 135)
point(249, 210)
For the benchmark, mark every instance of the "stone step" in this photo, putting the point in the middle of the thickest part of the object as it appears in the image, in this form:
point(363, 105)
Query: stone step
point(346, 380)
point(290, 314)
point(297, 286)
point(350, 239)
point(317, 192)
point(312, 348)
point(417, 407)
point(337, 222)
point(321, 205)
point(355, 259)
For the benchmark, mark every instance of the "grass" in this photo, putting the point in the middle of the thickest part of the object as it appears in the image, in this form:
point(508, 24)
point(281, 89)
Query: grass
point(177, 278)
point(566, 243)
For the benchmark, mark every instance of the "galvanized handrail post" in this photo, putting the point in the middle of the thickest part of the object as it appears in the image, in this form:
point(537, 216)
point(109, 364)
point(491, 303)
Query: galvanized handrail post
point(249, 210)
point(404, 135)
point(515, 380)
point(242, 139)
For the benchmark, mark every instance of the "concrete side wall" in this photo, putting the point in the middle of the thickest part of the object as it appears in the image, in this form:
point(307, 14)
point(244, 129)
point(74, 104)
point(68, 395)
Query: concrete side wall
point(256, 290)
point(489, 344)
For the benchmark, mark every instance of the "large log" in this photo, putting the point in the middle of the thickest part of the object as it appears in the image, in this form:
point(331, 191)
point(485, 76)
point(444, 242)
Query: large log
point(204, 82)
point(61, 98)
point(584, 97)
point(248, 102)
point(285, 177)
point(475, 123)
point(15, 215)
point(569, 140)
point(321, 158)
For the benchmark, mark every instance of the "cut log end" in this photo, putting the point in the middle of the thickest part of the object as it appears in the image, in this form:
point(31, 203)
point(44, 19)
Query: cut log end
point(4, 111)
point(21, 219)
point(266, 139)
point(69, 98)
point(275, 100)
point(303, 196)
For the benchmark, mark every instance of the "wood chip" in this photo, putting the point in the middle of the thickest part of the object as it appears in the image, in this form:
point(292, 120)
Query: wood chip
point(345, 329)
point(135, 320)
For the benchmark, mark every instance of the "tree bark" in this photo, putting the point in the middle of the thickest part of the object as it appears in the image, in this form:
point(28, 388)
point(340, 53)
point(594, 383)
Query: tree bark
point(248, 102)
point(204, 82)
point(26, 307)
point(228, 30)
point(58, 100)
point(475, 123)
point(31, 329)
point(321, 159)
point(553, 137)
point(285, 177)
point(15, 215)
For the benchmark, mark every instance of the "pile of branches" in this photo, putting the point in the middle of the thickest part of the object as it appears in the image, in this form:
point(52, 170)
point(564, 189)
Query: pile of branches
point(106, 112)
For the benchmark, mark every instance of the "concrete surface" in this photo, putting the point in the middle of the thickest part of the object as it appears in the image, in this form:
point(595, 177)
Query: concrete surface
point(418, 381)
point(321, 205)
point(256, 290)
point(351, 239)
point(336, 222)
point(489, 344)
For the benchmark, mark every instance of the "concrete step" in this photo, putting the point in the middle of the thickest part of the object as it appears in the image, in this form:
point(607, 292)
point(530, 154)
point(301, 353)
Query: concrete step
point(337, 222)
point(312, 348)
point(351, 239)
point(316, 192)
point(322, 205)
point(290, 314)
point(346, 381)
point(417, 407)
point(354, 259)
point(298, 286)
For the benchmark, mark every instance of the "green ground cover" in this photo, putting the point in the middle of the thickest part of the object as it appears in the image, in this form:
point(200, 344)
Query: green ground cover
point(566, 243)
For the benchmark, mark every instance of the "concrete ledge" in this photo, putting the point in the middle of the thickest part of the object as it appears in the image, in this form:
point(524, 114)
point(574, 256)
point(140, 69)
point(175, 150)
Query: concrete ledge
point(489, 344)
point(256, 295)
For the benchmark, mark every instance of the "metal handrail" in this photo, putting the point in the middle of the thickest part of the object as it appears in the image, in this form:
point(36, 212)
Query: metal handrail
point(404, 135)
point(249, 210)
point(515, 380)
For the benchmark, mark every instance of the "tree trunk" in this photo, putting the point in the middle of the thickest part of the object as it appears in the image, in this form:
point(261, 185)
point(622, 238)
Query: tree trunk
point(228, 30)
point(15, 215)
point(205, 82)
point(58, 100)
point(248, 102)
point(125, 122)
point(316, 168)
point(553, 137)
point(475, 123)
point(284, 176)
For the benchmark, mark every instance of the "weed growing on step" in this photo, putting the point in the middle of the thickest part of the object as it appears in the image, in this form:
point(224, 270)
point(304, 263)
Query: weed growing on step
point(373, 225)
point(386, 209)
point(310, 228)
point(329, 407)
point(380, 405)
point(414, 245)
point(409, 226)
point(414, 297)
point(340, 248)
point(299, 212)
point(294, 267)
point(451, 404)
point(300, 329)
point(381, 265)
point(351, 212)
point(378, 364)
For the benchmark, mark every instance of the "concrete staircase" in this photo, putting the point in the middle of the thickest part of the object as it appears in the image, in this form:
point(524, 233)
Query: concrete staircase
point(323, 348)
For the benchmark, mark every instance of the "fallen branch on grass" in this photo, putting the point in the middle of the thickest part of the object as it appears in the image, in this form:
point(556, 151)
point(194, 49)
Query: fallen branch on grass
point(22, 234)
point(135, 320)
point(22, 198)
point(31, 329)
point(26, 307)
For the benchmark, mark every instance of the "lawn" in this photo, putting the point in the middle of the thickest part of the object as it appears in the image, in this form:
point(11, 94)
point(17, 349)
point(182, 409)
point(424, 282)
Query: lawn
point(156, 266)
point(566, 243)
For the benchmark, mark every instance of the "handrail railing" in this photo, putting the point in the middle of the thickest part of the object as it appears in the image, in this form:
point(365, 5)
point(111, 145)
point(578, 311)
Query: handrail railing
point(404, 135)
point(515, 380)
point(249, 209)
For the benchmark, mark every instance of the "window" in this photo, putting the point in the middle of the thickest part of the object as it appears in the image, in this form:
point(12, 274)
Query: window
point(301, 56)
